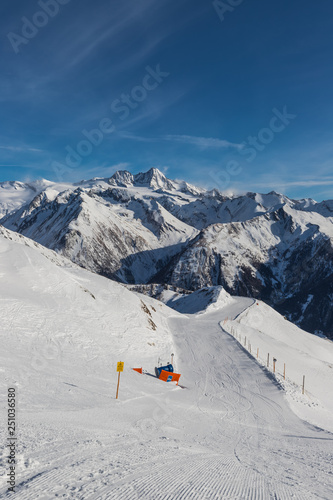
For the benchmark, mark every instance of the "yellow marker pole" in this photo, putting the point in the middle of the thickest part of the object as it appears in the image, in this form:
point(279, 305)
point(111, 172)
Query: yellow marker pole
point(118, 385)
point(120, 368)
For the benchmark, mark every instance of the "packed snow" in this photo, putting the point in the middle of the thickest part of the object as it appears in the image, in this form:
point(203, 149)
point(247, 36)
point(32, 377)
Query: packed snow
point(297, 354)
point(226, 432)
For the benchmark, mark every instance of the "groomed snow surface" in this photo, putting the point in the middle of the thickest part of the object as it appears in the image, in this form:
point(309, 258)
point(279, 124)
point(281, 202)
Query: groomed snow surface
point(227, 433)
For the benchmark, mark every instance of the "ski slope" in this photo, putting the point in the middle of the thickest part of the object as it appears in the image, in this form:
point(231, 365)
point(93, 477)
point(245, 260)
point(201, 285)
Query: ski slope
point(229, 433)
point(297, 354)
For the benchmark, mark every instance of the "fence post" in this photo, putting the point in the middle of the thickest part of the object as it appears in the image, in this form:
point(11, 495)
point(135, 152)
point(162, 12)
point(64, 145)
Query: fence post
point(245, 342)
point(284, 371)
point(267, 360)
point(303, 387)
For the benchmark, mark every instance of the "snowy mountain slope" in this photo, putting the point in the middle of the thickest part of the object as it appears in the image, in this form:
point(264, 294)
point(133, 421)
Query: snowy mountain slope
point(205, 300)
point(217, 208)
point(185, 301)
point(324, 208)
point(282, 257)
point(145, 228)
point(11, 236)
point(14, 195)
point(266, 330)
point(297, 352)
point(230, 434)
point(127, 241)
point(56, 311)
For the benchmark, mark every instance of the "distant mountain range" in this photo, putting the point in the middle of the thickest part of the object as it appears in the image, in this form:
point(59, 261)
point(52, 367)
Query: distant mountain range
point(145, 228)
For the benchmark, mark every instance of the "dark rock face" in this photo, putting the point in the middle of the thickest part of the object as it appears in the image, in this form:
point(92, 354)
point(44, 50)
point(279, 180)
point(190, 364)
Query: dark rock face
point(292, 272)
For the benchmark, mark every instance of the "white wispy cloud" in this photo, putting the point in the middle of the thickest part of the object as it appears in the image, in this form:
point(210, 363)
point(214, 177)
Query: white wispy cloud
point(134, 137)
point(113, 28)
point(311, 183)
point(324, 181)
point(21, 149)
point(203, 142)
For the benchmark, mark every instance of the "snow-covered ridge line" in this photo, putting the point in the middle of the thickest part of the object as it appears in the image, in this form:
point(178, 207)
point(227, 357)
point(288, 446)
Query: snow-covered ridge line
point(14, 194)
point(51, 255)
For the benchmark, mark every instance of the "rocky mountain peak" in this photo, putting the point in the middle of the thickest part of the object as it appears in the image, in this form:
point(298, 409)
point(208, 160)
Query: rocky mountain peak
point(122, 178)
point(154, 179)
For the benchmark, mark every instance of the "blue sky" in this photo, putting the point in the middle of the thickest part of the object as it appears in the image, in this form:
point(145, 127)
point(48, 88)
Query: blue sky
point(238, 97)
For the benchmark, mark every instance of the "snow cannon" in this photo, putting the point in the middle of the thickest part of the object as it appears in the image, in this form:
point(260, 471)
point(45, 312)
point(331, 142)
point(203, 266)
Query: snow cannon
point(167, 374)
point(159, 369)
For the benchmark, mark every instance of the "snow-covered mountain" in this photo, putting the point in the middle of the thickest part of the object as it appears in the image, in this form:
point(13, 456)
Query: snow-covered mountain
point(145, 228)
point(15, 194)
point(284, 257)
point(121, 233)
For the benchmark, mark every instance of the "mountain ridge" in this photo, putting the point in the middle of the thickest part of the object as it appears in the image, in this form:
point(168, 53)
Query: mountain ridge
point(141, 228)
